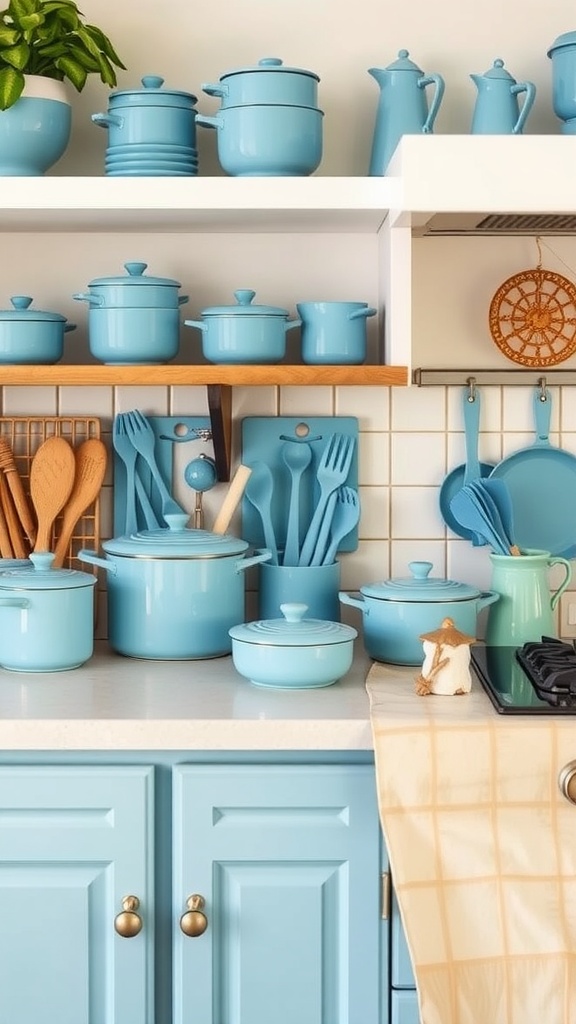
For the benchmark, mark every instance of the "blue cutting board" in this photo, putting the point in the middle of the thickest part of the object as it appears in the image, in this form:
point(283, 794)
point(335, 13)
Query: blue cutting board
point(262, 440)
point(178, 440)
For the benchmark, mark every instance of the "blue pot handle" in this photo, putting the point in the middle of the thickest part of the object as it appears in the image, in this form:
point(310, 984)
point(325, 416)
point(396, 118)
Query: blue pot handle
point(214, 90)
point(14, 602)
point(196, 323)
point(356, 602)
point(108, 120)
point(69, 327)
point(488, 597)
point(293, 323)
point(182, 299)
point(209, 122)
point(85, 555)
point(94, 300)
point(264, 555)
point(367, 311)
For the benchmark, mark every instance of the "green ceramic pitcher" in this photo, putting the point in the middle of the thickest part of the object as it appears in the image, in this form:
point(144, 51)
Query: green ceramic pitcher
point(525, 610)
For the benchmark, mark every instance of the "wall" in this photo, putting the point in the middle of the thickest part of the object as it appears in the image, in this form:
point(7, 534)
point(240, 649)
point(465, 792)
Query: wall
point(410, 438)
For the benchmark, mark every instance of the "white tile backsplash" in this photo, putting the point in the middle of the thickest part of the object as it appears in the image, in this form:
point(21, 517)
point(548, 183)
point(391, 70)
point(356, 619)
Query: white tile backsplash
point(417, 458)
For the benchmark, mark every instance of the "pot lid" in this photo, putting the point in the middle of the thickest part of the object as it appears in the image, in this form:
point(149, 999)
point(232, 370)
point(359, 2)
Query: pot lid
point(135, 276)
point(566, 39)
point(293, 630)
point(244, 306)
point(420, 586)
point(175, 541)
point(40, 575)
point(403, 63)
point(270, 64)
point(22, 311)
point(499, 71)
point(152, 93)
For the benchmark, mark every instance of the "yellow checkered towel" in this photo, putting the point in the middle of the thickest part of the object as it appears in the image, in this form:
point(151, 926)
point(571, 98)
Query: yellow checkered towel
point(482, 849)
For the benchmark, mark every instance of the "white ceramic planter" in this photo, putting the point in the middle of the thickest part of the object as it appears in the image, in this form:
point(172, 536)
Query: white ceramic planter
point(35, 131)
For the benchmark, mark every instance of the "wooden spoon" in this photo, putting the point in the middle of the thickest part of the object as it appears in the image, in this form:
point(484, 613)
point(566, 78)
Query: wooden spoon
point(233, 495)
point(51, 480)
point(90, 466)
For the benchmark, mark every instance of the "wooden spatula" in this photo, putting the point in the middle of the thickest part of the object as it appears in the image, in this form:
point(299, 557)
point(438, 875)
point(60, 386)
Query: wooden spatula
point(51, 481)
point(90, 466)
point(8, 467)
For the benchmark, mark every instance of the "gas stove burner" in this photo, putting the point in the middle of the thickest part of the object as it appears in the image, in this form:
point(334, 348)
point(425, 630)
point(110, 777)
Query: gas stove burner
point(551, 667)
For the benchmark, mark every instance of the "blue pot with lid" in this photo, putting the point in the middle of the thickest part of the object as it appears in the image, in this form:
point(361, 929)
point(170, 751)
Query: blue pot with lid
point(46, 616)
point(269, 81)
point(31, 336)
point(173, 593)
point(244, 332)
point(151, 114)
point(397, 612)
point(293, 652)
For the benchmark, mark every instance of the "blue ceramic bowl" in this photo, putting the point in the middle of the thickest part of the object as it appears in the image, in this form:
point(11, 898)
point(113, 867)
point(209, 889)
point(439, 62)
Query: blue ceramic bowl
point(34, 134)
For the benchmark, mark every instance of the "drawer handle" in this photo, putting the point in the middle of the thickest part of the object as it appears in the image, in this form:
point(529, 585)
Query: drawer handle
point(128, 923)
point(194, 923)
point(567, 781)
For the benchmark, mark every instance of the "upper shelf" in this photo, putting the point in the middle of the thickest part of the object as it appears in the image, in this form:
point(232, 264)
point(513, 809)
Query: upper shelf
point(171, 374)
point(175, 204)
point(449, 183)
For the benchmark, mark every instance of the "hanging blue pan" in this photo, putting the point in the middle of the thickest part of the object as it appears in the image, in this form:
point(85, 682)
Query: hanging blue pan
point(541, 480)
point(470, 470)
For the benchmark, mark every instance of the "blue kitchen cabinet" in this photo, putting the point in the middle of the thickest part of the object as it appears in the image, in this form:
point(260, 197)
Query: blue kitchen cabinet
point(288, 862)
point(286, 857)
point(74, 842)
point(404, 1000)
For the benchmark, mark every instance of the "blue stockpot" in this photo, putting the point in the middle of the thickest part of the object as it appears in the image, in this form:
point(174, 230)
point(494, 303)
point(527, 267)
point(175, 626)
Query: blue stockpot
point(267, 140)
point(244, 333)
point(34, 132)
point(293, 652)
point(334, 332)
point(397, 612)
point(174, 593)
point(47, 616)
point(31, 336)
point(268, 82)
point(136, 290)
point(563, 56)
point(151, 114)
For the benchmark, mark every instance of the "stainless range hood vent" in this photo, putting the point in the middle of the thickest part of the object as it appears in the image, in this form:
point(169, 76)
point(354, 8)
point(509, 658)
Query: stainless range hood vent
point(500, 224)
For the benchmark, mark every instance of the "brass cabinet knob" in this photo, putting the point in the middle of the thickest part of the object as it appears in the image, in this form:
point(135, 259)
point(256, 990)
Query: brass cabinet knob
point(567, 781)
point(128, 923)
point(194, 923)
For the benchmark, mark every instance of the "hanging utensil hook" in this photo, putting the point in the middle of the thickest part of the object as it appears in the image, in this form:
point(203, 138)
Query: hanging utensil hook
point(471, 382)
point(543, 389)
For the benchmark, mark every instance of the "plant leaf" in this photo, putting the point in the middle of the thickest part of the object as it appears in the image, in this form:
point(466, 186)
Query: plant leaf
point(11, 86)
point(8, 36)
point(17, 56)
point(104, 45)
point(73, 71)
point(19, 9)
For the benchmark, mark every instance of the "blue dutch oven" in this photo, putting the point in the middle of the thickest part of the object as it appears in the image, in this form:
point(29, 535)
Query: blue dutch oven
point(267, 140)
point(174, 593)
point(30, 335)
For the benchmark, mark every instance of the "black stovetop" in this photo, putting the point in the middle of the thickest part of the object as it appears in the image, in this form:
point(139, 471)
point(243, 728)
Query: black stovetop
point(538, 678)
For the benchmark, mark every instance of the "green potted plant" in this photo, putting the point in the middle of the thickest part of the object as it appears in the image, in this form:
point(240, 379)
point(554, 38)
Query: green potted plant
point(43, 45)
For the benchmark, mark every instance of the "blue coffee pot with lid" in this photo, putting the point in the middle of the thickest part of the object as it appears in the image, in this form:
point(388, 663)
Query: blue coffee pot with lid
point(402, 107)
point(497, 110)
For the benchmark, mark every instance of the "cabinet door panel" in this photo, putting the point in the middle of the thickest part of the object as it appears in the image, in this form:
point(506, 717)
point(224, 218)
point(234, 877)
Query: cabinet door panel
point(288, 859)
point(73, 842)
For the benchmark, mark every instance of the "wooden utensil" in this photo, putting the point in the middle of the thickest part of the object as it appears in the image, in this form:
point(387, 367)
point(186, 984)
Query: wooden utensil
point(51, 480)
point(230, 503)
point(13, 524)
point(8, 467)
point(90, 466)
point(5, 542)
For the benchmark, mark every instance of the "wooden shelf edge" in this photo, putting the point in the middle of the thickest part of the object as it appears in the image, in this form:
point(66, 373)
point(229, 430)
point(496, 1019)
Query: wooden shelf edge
point(61, 375)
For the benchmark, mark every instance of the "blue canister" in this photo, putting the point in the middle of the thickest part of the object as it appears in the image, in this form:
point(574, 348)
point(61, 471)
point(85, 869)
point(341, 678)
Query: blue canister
point(562, 53)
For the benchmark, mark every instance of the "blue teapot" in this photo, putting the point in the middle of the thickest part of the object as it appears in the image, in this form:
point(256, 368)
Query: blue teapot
point(497, 111)
point(402, 107)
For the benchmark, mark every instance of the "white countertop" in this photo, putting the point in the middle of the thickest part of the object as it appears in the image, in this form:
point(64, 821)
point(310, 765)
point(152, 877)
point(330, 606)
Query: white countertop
point(117, 703)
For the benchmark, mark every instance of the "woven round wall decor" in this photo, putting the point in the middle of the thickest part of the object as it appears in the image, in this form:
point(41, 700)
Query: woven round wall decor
point(533, 318)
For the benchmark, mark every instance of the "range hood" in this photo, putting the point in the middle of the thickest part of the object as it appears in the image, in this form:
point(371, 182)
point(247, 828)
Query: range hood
point(486, 184)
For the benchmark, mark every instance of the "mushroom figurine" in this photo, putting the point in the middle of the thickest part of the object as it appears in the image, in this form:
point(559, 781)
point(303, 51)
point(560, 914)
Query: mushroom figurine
point(446, 666)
